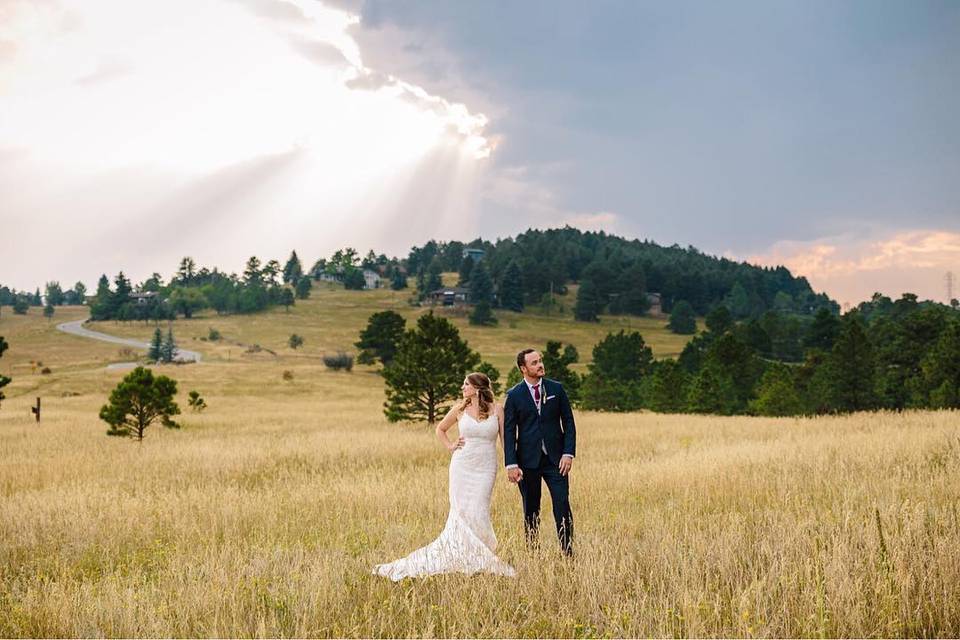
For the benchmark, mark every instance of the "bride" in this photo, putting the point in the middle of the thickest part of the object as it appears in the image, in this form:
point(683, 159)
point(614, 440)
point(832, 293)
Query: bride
point(467, 543)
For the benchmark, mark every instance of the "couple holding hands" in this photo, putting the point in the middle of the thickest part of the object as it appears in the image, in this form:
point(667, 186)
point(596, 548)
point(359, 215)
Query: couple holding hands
point(536, 426)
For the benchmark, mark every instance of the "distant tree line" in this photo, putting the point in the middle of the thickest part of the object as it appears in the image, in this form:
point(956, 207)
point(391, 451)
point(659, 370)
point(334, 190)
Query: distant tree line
point(193, 289)
point(882, 355)
point(614, 275)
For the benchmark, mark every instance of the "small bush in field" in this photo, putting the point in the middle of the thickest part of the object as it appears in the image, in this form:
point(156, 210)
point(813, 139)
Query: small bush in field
point(195, 401)
point(339, 361)
point(288, 375)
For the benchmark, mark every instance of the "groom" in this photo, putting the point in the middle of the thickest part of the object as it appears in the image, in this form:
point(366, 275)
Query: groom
point(540, 441)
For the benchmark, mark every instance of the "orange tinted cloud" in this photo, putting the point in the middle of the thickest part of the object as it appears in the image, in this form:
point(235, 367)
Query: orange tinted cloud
point(851, 269)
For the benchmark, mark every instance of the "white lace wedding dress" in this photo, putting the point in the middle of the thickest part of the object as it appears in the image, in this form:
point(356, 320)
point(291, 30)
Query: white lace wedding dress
point(467, 543)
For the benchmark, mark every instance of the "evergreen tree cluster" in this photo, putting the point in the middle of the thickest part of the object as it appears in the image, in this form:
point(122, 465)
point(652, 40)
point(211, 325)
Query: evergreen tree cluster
point(615, 274)
point(162, 348)
point(193, 289)
point(883, 355)
point(55, 296)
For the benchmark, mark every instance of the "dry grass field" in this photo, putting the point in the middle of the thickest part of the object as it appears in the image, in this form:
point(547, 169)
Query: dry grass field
point(264, 515)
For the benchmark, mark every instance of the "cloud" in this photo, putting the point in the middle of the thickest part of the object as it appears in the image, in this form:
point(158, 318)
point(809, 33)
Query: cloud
point(285, 12)
point(460, 123)
point(233, 133)
point(851, 268)
point(107, 70)
point(322, 53)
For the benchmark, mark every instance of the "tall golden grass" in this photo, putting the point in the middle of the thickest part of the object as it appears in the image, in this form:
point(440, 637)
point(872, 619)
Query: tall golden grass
point(264, 515)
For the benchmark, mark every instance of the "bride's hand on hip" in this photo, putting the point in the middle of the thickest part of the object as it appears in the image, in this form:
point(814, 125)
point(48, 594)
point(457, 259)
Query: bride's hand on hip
point(453, 446)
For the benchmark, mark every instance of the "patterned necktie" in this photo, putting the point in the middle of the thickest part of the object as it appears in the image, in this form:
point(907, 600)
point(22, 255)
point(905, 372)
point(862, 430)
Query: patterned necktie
point(536, 394)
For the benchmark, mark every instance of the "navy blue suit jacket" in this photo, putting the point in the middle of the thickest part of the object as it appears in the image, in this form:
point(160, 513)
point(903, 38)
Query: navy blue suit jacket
point(524, 429)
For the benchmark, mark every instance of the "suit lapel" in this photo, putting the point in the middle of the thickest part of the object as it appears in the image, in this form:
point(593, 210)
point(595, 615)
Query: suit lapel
point(525, 390)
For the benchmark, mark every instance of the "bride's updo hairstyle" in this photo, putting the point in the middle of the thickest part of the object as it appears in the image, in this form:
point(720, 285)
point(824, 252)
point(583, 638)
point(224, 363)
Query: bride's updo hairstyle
point(481, 383)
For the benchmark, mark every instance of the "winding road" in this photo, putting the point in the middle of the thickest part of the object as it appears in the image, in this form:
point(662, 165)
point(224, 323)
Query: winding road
point(76, 328)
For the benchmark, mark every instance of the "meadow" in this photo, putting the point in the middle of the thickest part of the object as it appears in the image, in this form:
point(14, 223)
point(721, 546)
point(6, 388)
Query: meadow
point(264, 515)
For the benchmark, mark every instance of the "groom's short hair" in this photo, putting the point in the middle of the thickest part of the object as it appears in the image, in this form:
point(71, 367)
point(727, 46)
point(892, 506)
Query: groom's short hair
point(522, 357)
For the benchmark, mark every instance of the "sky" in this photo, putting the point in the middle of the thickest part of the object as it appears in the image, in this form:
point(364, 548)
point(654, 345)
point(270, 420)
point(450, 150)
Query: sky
point(820, 135)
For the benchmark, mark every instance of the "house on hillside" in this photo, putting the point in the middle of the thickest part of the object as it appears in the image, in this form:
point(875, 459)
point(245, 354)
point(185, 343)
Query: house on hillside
point(474, 254)
point(449, 296)
point(371, 279)
point(144, 297)
point(656, 304)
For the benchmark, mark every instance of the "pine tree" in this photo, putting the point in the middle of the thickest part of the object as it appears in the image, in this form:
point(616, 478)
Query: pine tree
point(466, 268)
point(252, 274)
point(719, 320)
point(287, 299)
point(482, 315)
point(168, 350)
point(427, 371)
point(777, 394)
point(738, 301)
point(121, 294)
point(493, 374)
point(511, 288)
point(632, 287)
point(823, 331)
point(557, 365)
point(941, 369)
point(186, 272)
point(712, 391)
point(481, 295)
point(615, 377)
point(588, 305)
point(850, 367)
point(101, 308)
point(137, 401)
point(353, 279)
point(303, 286)
point(293, 270)
point(666, 388)
point(379, 340)
point(399, 281)
point(682, 319)
point(433, 279)
point(155, 352)
point(55, 295)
